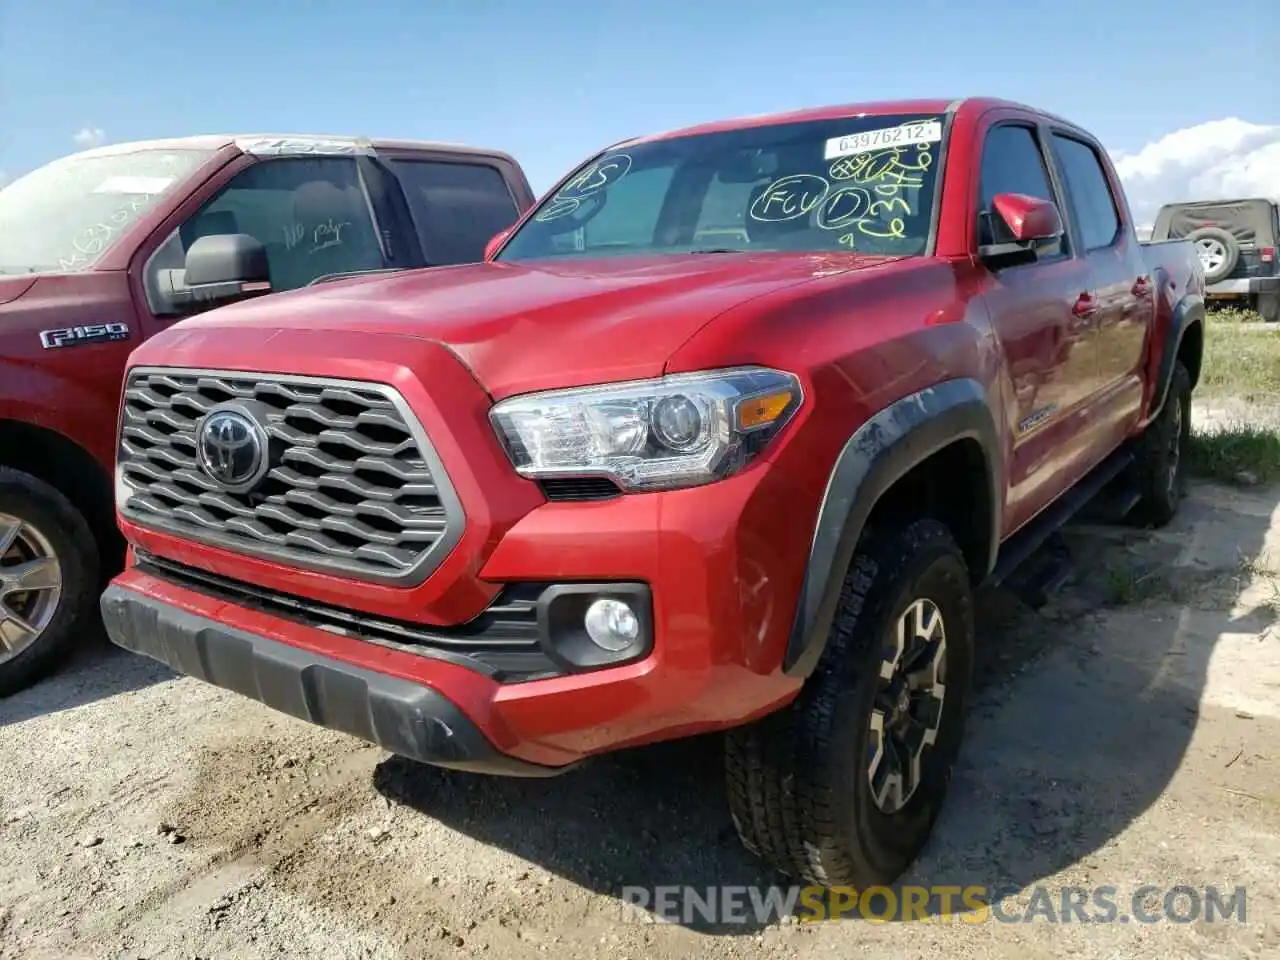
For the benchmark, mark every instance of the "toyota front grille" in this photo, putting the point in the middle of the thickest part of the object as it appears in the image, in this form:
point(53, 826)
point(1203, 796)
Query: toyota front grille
point(330, 475)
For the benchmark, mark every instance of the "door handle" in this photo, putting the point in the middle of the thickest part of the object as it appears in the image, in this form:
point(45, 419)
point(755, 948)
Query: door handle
point(1141, 287)
point(1084, 307)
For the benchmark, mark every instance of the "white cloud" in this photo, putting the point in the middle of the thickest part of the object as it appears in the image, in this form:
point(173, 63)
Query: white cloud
point(1220, 159)
point(87, 137)
point(4, 178)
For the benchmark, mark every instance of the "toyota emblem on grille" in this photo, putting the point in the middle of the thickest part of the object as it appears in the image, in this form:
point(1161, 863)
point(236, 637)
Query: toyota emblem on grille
point(232, 448)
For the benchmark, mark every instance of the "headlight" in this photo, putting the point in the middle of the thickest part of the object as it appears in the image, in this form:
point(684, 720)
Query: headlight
point(677, 431)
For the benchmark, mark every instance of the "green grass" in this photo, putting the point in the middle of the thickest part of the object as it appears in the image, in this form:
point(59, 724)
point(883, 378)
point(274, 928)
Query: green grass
point(1241, 367)
point(1262, 571)
point(1125, 580)
point(1234, 315)
point(1240, 360)
point(1236, 453)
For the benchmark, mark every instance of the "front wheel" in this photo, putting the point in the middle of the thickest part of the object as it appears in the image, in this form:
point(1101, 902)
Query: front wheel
point(48, 572)
point(843, 786)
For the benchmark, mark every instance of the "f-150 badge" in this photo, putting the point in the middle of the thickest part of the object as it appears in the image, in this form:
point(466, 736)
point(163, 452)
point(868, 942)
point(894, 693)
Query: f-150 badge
point(89, 333)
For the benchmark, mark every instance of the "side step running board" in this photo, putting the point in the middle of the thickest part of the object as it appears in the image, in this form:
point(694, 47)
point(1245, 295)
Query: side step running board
point(1019, 548)
point(1043, 574)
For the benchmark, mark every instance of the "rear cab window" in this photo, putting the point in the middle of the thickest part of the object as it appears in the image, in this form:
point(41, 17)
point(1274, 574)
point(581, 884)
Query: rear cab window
point(456, 205)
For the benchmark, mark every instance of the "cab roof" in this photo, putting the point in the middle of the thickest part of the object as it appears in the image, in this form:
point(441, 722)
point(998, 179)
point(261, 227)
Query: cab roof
point(288, 143)
point(837, 111)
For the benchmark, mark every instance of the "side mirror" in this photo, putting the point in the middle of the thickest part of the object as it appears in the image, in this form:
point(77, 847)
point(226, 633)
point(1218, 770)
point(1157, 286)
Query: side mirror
point(1029, 224)
point(495, 242)
point(218, 269)
point(225, 259)
point(1029, 219)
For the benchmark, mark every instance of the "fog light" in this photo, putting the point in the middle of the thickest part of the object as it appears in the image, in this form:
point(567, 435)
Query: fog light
point(612, 625)
point(588, 626)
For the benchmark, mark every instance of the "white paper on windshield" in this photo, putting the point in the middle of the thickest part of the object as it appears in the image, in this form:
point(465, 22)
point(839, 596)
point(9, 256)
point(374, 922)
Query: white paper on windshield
point(133, 185)
point(905, 135)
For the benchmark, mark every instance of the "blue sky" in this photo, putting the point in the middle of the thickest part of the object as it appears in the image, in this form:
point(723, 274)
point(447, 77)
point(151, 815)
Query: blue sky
point(551, 80)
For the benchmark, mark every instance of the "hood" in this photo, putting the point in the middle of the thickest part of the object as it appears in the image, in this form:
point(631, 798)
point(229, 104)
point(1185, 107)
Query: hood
point(527, 326)
point(13, 287)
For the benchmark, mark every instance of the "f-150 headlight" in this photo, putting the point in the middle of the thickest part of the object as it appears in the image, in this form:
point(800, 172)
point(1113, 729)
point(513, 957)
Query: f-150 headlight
point(677, 431)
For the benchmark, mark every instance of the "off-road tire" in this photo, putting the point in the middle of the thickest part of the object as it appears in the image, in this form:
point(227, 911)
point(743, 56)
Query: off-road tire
point(1162, 466)
point(1268, 307)
point(33, 500)
point(798, 782)
point(1230, 251)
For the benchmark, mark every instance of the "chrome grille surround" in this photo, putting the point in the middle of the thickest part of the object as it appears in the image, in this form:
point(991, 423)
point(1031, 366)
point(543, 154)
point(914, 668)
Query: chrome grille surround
point(356, 489)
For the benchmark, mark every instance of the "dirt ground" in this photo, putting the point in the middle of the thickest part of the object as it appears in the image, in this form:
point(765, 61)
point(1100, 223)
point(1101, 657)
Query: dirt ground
point(1126, 734)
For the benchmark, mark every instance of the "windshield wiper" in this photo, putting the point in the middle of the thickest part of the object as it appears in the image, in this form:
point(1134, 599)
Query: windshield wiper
point(718, 250)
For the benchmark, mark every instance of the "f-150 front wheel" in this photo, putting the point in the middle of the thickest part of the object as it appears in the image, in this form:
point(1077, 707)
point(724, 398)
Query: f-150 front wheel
point(48, 571)
point(842, 787)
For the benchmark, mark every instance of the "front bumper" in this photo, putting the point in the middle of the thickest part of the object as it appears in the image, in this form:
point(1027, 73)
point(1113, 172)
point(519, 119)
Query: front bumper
point(406, 718)
point(711, 558)
point(722, 564)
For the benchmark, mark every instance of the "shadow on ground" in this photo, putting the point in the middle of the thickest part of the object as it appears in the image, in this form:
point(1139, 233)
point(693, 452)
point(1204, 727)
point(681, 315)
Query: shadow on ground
point(95, 670)
point(650, 816)
point(1078, 725)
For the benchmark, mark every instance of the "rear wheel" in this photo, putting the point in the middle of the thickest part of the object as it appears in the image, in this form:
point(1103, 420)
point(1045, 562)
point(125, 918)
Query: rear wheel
point(842, 787)
point(1268, 307)
point(1162, 454)
point(48, 572)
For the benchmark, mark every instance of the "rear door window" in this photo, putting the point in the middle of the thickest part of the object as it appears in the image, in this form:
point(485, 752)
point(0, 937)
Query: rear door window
point(1088, 192)
point(457, 207)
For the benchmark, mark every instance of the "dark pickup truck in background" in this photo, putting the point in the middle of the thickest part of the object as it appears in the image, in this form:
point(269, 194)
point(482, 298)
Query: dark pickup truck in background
point(1237, 242)
point(724, 437)
point(103, 249)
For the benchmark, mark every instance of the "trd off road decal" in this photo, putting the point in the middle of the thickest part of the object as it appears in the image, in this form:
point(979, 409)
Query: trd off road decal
point(89, 333)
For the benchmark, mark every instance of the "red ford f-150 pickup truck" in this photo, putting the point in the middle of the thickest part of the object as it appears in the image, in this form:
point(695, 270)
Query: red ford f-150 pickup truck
point(723, 436)
point(102, 249)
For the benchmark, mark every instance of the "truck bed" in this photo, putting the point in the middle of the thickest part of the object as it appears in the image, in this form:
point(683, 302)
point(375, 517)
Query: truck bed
point(1172, 260)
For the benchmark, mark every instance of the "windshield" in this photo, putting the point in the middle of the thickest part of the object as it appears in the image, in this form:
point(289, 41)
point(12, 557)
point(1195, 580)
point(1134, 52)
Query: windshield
point(861, 184)
point(65, 215)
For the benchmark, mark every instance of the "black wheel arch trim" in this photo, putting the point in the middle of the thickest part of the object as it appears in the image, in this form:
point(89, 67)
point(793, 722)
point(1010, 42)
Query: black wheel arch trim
point(880, 452)
point(1187, 312)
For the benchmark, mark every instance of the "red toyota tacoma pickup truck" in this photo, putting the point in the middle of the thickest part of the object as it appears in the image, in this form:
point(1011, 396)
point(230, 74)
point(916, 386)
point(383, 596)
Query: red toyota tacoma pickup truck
point(723, 436)
point(105, 248)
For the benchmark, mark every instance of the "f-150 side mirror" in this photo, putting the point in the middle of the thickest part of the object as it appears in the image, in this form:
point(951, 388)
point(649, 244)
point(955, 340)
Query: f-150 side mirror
point(218, 269)
point(1028, 223)
point(495, 242)
point(225, 259)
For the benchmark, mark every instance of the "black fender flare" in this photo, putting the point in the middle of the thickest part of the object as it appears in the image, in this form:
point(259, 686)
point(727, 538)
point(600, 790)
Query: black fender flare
point(879, 453)
point(1186, 313)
